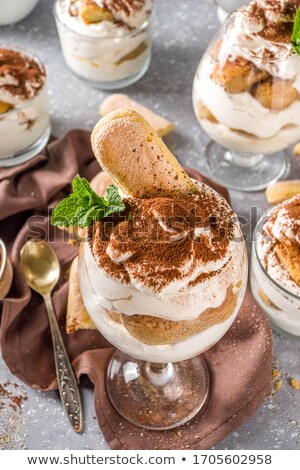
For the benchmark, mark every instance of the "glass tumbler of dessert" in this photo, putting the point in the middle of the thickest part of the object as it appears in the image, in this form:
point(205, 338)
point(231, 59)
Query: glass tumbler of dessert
point(246, 95)
point(24, 115)
point(275, 268)
point(163, 280)
point(106, 43)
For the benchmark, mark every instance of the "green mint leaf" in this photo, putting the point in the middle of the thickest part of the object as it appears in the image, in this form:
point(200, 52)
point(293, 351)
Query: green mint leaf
point(84, 207)
point(113, 200)
point(295, 38)
point(65, 212)
point(82, 188)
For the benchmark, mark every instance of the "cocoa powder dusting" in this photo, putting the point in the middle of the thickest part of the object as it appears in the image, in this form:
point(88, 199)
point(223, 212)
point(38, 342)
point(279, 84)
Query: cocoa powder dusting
point(12, 397)
point(162, 240)
point(276, 19)
point(21, 75)
point(127, 6)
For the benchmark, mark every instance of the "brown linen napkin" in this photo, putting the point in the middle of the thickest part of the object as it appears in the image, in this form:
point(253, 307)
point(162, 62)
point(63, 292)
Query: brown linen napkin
point(240, 364)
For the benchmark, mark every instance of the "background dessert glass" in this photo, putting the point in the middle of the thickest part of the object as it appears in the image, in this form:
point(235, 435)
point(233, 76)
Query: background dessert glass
point(156, 386)
point(250, 111)
point(25, 128)
point(106, 62)
point(281, 306)
point(12, 11)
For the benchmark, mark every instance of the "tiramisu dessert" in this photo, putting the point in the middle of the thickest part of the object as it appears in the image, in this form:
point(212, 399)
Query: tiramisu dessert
point(106, 42)
point(24, 116)
point(246, 88)
point(275, 276)
point(164, 281)
point(162, 278)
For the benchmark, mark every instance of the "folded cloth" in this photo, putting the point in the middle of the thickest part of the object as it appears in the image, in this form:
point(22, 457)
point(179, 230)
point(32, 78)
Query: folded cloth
point(240, 364)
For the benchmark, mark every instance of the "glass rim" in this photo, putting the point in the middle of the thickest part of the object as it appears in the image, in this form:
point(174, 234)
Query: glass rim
point(132, 32)
point(41, 65)
point(247, 54)
point(260, 224)
point(3, 254)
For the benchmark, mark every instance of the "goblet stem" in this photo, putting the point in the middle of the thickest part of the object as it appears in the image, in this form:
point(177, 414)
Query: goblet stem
point(244, 160)
point(159, 374)
point(157, 396)
point(244, 171)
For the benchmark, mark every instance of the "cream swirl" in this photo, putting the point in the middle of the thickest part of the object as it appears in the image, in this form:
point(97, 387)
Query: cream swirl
point(131, 12)
point(261, 32)
point(123, 19)
point(21, 77)
point(167, 246)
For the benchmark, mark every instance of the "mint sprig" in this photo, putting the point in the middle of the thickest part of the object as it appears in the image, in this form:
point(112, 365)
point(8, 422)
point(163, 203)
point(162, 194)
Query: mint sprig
point(295, 38)
point(84, 207)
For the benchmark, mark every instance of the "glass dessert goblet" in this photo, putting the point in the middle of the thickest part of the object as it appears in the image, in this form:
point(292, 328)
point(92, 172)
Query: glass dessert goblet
point(246, 99)
point(163, 287)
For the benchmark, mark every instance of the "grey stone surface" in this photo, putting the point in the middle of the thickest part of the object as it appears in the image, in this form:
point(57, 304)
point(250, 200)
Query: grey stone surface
point(182, 30)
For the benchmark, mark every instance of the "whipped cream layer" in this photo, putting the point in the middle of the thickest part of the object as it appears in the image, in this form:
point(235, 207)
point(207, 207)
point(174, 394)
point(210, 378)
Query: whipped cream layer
point(127, 15)
point(282, 309)
point(21, 128)
point(177, 281)
point(261, 32)
point(283, 225)
point(21, 77)
point(132, 13)
point(241, 111)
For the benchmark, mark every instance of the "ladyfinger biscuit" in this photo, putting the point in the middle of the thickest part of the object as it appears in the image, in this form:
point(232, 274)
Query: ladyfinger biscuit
point(151, 330)
point(4, 107)
point(89, 12)
point(136, 158)
point(238, 75)
point(100, 183)
point(275, 94)
point(116, 101)
point(77, 316)
point(297, 149)
point(289, 256)
point(282, 190)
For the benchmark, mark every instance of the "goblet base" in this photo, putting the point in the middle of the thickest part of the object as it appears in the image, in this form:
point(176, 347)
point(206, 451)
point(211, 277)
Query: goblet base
point(244, 172)
point(157, 396)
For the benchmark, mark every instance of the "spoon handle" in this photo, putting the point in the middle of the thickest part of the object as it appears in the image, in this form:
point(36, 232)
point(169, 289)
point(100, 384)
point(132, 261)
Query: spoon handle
point(67, 384)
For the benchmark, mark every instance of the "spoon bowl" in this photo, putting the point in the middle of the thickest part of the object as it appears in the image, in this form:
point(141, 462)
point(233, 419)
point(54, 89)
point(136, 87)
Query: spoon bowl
point(40, 265)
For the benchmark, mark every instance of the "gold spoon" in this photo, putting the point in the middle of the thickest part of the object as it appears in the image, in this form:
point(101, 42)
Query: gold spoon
point(41, 269)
